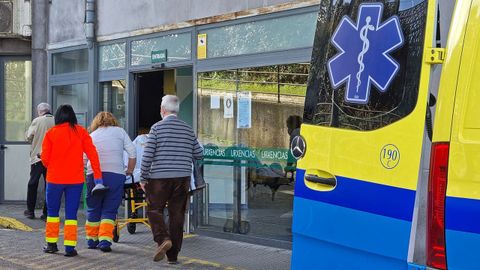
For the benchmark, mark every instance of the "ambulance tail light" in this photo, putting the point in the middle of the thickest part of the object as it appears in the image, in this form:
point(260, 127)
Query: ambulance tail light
point(437, 188)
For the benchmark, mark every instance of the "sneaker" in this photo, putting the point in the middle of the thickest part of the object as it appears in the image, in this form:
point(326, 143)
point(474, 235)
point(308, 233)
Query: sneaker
point(92, 244)
point(105, 248)
point(161, 250)
point(70, 253)
point(50, 248)
point(99, 189)
point(29, 214)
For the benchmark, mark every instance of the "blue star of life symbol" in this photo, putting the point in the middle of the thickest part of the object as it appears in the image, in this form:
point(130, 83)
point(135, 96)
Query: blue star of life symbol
point(363, 53)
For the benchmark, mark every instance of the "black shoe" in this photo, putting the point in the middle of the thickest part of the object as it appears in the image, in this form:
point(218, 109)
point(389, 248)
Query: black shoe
point(50, 248)
point(29, 214)
point(72, 253)
point(43, 217)
point(172, 260)
point(106, 248)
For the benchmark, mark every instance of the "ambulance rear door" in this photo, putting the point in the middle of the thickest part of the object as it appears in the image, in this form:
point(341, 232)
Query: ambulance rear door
point(458, 248)
point(361, 143)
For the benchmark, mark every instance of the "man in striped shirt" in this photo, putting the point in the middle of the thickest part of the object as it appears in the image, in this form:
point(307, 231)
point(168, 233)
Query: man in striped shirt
point(166, 169)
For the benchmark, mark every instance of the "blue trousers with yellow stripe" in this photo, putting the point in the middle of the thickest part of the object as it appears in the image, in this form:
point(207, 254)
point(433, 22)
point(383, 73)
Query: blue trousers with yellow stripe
point(102, 209)
point(54, 194)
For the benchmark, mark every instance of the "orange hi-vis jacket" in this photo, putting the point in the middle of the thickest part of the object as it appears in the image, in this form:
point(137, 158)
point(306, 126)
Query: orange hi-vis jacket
point(62, 154)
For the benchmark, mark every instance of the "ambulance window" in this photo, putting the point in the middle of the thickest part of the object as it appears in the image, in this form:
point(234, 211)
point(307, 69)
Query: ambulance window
point(366, 63)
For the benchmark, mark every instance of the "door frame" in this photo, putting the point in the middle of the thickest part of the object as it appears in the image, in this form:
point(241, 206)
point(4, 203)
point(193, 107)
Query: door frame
point(132, 111)
point(132, 96)
point(3, 124)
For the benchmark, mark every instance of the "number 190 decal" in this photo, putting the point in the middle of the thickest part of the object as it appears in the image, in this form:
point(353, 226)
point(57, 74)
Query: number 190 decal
point(390, 156)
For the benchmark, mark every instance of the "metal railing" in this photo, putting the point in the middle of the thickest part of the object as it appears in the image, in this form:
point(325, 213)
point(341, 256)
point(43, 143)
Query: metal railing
point(238, 84)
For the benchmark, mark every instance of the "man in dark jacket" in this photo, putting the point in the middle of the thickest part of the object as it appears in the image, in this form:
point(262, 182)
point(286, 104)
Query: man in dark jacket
point(165, 176)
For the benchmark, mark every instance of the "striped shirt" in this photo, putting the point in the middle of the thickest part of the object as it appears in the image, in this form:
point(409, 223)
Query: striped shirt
point(170, 149)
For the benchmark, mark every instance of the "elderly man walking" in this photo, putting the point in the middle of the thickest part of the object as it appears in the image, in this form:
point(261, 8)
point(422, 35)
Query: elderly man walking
point(165, 176)
point(34, 135)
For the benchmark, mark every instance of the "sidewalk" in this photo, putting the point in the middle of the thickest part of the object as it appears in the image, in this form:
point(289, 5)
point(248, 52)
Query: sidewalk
point(24, 250)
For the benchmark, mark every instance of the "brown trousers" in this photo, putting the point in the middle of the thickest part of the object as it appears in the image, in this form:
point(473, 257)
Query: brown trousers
point(173, 191)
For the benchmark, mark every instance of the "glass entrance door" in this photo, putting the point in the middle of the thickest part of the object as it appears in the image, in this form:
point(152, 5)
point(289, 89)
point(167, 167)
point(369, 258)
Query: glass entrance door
point(15, 117)
point(246, 121)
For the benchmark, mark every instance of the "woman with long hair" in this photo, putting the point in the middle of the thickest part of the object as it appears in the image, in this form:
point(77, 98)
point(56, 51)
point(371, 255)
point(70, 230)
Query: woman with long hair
point(111, 141)
point(62, 155)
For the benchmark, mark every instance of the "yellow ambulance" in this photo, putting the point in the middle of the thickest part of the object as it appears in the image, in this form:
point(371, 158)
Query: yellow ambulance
point(388, 172)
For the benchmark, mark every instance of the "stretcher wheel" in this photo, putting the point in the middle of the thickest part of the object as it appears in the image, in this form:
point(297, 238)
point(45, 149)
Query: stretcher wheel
point(116, 236)
point(131, 227)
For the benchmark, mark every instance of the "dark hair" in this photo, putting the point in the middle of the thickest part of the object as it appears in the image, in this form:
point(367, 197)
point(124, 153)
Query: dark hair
point(65, 114)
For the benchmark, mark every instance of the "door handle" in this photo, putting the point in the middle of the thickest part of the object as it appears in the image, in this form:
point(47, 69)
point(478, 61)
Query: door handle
point(3, 147)
point(329, 181)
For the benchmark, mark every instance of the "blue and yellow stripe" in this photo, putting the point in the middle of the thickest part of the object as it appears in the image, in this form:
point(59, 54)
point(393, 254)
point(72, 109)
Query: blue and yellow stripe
point(365, 222)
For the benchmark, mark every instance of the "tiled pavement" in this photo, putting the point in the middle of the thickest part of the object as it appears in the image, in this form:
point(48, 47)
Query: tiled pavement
point(23, 250)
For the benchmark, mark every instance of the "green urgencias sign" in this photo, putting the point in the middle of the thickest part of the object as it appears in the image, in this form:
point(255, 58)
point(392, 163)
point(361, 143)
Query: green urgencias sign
point(159, 56)
point(245, 153)
point(249, 157)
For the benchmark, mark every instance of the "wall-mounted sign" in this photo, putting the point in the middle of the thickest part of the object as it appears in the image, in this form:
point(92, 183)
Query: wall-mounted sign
point(159, 56)
point(202, 46)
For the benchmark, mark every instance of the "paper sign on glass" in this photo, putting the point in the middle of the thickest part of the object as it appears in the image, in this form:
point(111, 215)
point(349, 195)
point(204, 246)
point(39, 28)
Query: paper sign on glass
point(228, 106)
point(214, 102)
point(244, 110)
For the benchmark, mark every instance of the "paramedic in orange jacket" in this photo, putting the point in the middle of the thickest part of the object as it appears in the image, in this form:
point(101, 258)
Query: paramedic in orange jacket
point(62, 155)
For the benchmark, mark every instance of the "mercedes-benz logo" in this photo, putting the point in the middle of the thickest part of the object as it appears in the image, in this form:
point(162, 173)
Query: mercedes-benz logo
point(298, 147)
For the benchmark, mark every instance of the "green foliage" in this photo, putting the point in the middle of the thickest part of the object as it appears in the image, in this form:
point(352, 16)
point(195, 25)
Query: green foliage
point(298, 90)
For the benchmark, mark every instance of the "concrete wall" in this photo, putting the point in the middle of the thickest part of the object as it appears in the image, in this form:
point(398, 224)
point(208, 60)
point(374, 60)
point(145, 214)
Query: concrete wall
point(66, 21)
point(39, 53)
point(117, 16)
point(66, 17)
point(11, 46)
point(268, 130)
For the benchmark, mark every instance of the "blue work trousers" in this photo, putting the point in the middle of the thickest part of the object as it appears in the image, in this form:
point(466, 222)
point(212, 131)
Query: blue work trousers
point(105, 206)
point(54, 194)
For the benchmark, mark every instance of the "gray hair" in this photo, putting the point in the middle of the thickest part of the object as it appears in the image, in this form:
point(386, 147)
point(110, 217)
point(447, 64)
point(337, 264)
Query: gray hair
point(171, 104)
point(43, 108)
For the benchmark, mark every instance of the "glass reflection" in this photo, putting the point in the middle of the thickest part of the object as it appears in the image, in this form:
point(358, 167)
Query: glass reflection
point(18, 99)
point(112, 56)
point(113, 97)
point(75, 95)
point(178, 48)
